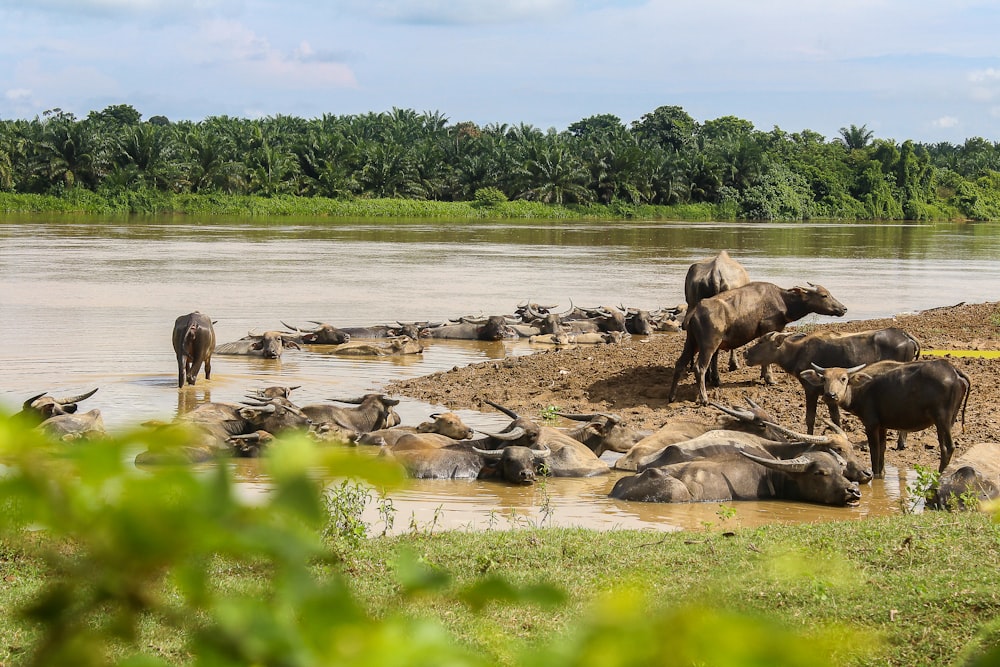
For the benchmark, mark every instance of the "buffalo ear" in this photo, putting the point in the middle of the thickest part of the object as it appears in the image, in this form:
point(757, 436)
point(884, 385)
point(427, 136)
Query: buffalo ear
point(292, 344)
point(257, 345)
point(489, 471)
point(812, 377)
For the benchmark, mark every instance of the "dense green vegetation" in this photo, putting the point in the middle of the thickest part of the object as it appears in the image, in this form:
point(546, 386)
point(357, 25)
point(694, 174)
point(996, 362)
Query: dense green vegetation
point(103, 564)
point(664, 165)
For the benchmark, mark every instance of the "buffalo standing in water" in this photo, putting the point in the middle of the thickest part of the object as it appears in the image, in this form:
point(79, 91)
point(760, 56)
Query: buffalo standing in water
point(194, 342)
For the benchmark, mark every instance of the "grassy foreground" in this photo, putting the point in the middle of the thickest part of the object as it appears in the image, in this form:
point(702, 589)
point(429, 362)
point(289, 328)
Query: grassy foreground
point(103, 564)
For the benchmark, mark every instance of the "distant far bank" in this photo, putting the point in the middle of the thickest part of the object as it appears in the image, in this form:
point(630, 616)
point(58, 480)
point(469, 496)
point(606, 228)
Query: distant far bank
point(146, 202)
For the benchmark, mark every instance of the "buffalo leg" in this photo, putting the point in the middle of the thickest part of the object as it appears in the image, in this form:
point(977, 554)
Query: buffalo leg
point(680, 368)
point(705, 359)
point(876, 448)
point(734, 361)
point(208, 368)
point(181, 370)
point(945, 444)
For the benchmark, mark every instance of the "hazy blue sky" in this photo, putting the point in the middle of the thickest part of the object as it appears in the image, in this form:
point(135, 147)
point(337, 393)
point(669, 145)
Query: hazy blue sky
point(908, 69)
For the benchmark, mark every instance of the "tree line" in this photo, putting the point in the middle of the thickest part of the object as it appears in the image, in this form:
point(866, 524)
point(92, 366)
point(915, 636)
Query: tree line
point(665, 158)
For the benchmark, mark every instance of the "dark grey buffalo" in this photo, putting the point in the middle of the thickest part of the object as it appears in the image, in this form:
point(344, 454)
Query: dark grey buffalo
point(906, 396)
point(491, 328)
point(269, 345)
point(815, 477)
point(194, 342)
point(321, 334)
point(708, 277)
point(972, 478)
point(796, 352)
point(370, 413)
point(734, 318)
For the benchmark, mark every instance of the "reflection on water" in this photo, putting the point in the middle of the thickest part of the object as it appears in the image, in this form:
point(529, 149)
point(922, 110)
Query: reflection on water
point(91, 303)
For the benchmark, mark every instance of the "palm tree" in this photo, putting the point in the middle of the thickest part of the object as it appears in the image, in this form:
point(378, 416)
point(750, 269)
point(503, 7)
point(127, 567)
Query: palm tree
point(856, 138)
point(556, 174)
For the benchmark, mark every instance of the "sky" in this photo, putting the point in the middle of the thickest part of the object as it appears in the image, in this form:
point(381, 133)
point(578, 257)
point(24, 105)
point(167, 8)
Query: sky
point(925, 70)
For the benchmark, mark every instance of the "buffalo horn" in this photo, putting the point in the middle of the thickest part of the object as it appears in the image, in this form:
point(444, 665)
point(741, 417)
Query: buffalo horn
point(489, 453)
point(27, 403)
point(836, 429)
point(507, 411)
point(798, 464)
point(850, 371)
point(515, 433)
point(742, 415)
point(352, 401)
point(298, 329)
point(579, 417)
point(75, 399)
point(495, 454)
point(802, 437)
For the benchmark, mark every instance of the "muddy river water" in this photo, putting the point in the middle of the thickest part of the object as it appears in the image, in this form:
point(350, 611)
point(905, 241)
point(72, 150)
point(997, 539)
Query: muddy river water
point(90, 303)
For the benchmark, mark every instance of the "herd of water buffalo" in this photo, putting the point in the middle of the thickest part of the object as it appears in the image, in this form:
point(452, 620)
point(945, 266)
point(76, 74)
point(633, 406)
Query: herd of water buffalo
point(878, 376)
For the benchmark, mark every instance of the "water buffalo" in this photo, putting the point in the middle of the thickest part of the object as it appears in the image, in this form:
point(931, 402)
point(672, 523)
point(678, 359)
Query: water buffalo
point(796, 352)
point(492, 328)
point(371, 412)
point(602, 319)
point(76, 426)
point(638, 322)
point(708, 277)
point(194, 342)
point(268, 345)
point(815, 477)
point(208, 430)
point(512, 454)
point(391, 347)
point(590, 338)
point(321, 334)
point(972, 478)
point(755, 420)
point(735, 317)
point(447, 424)
point(907, 396)
point(726, 444)
point(603, 432)
point(42, 406)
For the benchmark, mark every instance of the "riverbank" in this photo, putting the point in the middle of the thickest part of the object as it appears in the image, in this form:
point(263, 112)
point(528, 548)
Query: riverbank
point(632, 380)
point(150, 202)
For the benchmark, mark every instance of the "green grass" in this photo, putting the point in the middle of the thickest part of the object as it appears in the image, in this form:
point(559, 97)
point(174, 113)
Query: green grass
point(158, 203)
point(911, 590)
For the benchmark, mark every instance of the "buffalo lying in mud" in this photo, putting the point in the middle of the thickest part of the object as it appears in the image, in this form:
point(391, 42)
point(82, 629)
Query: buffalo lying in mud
point(814, 476)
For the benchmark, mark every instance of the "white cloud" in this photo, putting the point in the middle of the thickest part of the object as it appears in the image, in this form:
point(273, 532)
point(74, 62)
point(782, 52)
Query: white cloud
point(17, 94)
point(459, 12)
point(945, 122)
point(232, 46)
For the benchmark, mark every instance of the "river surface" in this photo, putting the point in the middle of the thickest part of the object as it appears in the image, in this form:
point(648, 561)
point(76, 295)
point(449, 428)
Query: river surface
point(90, 302)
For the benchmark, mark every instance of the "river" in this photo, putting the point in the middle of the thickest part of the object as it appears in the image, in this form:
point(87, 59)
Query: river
point(90, 302)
